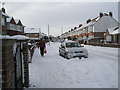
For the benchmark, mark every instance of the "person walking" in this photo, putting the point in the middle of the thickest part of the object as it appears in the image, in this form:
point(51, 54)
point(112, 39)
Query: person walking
point(42, 46)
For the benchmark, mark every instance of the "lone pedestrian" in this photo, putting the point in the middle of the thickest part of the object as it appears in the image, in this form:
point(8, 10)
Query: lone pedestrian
point(42, 46)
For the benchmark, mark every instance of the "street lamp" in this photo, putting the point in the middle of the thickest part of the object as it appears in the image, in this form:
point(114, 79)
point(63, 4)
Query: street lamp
point(48, 35)
point(39, 33)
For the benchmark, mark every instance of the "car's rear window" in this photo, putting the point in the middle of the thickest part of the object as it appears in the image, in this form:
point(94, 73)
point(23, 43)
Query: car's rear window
point(69, 45)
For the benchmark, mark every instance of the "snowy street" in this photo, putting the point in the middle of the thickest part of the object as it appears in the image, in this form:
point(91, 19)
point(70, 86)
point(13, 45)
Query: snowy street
point(99, 70)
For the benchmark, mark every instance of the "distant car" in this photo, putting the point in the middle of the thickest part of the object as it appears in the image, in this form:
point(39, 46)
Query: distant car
point(72, 49)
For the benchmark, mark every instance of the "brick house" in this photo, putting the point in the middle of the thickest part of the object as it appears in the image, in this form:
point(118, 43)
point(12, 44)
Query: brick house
point(11, 26)
point(14, 67)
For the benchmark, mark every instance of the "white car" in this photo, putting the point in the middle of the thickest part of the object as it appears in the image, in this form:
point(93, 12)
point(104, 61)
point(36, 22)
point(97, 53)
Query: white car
point(72, 49)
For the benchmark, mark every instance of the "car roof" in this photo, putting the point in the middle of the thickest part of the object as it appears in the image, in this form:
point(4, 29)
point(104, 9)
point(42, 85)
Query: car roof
point(70, 41)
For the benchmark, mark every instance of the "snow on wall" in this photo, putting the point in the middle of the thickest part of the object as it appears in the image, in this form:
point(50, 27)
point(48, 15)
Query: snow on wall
point(17, 37)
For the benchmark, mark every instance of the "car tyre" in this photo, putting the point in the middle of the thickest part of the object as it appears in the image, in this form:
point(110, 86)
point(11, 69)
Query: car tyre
point(80, 57)
point(85, 57)
point(60, 53)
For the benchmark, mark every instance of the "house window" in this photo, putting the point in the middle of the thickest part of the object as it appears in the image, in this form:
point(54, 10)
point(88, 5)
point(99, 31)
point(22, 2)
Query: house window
point(108, 38)
point(90, 29)
point(115, 38)
point(12, 27)
point(20, 28)
point(91, 36)
point(3, 21)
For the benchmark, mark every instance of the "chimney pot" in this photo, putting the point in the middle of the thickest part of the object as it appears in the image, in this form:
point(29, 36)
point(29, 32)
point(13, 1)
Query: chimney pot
point(110, 13)
point(101, 14)
point(3, 10)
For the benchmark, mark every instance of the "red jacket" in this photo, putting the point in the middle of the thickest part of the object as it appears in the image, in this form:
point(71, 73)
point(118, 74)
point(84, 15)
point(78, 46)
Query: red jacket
point(41, 44)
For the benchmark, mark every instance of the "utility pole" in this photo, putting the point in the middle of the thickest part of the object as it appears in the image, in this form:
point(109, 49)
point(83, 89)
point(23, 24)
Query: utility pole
point(61, 32)
point(48, 34)
point(39, 33)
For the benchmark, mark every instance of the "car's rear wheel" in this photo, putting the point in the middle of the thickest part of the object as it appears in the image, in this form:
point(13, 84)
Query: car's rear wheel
point(80, 57)
point(60, 53)
point(85, 57)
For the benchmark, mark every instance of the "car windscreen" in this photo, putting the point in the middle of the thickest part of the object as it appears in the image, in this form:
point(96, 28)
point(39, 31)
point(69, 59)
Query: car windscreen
point(70, 45)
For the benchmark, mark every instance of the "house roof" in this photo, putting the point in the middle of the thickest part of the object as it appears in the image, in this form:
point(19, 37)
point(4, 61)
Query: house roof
point(92, 22)
point(114, 30)
point(17, 37)
point(18, 22)
point(111, 30)
point(117, 31)
point(5, 14)
point(9, 19)
point(31, 30)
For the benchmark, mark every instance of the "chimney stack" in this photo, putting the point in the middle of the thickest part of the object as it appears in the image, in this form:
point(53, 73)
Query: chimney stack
point(80, 25)
point(89, 20)
point(75, 28)
point(71, 29)
point(3, 10)
point(101, 14)
point(110, 13)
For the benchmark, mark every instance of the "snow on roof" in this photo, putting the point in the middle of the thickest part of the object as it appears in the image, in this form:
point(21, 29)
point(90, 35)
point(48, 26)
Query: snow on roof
point(68, 41)
point(117, 31)
point(114, 30)
point(31, 30)
point(33, 38)
point(92, 22)
point(17, 20)
point(18, 37)
point(5, 14)
point(110, 30)
point(5, 37)
point(9, 19)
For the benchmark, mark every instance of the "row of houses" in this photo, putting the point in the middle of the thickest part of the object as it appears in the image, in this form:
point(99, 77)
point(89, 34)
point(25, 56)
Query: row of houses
point(14, 60)
point(103, 28)
point(11, 26)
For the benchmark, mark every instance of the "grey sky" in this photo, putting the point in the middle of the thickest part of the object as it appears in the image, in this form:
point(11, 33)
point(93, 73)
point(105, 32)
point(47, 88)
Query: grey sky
point(58, 14)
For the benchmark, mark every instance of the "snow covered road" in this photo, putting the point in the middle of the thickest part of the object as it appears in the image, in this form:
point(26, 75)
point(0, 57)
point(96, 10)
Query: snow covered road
point(99, 70)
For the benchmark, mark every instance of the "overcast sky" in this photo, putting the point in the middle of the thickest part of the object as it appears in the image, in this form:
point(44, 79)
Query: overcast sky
point(58, 14)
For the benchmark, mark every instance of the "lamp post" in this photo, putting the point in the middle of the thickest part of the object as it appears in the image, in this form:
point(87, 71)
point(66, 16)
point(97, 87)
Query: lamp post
point(48, 34)
point(39, 33)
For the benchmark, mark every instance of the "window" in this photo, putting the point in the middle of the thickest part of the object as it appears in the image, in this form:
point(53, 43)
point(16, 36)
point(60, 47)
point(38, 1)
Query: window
point(3, 20)
point(108, 38)
point(73, 45)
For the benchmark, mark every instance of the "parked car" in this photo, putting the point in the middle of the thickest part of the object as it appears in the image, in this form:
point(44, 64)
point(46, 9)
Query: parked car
point(72, 49)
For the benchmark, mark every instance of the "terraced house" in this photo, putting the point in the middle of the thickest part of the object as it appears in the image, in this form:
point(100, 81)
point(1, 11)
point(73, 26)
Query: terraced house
point(93, 30)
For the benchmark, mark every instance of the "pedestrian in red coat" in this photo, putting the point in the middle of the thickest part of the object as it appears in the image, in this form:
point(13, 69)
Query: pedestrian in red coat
point(42, 46)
